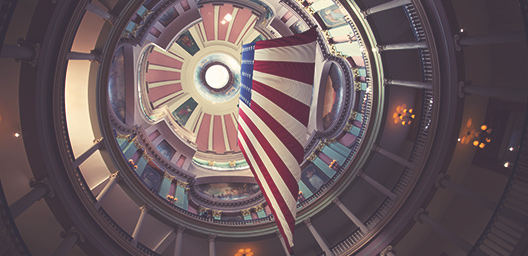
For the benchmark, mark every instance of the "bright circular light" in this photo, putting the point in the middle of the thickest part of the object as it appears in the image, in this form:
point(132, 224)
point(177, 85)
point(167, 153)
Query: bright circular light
point(216, 76)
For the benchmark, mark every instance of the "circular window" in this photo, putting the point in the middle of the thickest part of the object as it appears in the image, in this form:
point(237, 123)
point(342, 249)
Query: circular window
point(216, 76)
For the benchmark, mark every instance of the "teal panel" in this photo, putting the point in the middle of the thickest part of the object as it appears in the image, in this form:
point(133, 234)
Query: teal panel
point(247, 217)
point(332, 153)
point(261, 214)
point(321, 4)
point(130, 26)
point(129, 150)
point(324, 167)
point(349, 49)
point(339, 31)
point(363, 86)
point(359, 117)
point(306, 191)
point(141, 10)
point(141, 165)
point(340, 148)
point(216, 217)
point(355, 130)
point(362, 72)
point(183, 201)
point(165, 187)
point(122, 143)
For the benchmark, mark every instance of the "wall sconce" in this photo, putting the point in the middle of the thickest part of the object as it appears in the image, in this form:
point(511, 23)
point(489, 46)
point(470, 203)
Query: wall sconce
point(479, 137)
point(332, 164)
point(403, 115)
point(172, 199)
point(244, 252)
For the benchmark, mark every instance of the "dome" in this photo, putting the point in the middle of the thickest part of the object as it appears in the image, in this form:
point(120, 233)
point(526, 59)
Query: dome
point(123, 135)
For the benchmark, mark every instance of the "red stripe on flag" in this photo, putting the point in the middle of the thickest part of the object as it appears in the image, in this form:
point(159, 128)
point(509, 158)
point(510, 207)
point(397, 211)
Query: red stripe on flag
point(282, 169)
point(298, 71)
point(292, 106)
point(303, 38)
point(277, 221)
point(289, 141)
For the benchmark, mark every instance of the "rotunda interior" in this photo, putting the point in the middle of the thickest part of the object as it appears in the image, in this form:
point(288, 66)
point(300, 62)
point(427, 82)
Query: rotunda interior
point(119, 122)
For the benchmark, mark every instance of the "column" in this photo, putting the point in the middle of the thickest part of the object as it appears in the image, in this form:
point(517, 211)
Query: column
point(100, 12)
point(515, 94)
point(386, 6)
point(411, 84)
point(281, 239)
point(388, 251)
point(137, 230)
point(179, 241)
point(402, 46)
point(318, 238)
point(40, 189)
point(112, 180)
point(423, 216)
point(351, 216)
point(70, 238)
point(92, 56)
point(444, 182)
point(376, 185)
point(393, 156)
point(23, 52)
point(212, 245)
point(491, 39)
point(80, 159)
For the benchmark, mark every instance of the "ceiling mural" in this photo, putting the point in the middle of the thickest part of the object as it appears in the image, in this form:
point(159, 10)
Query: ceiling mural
point(188, 93)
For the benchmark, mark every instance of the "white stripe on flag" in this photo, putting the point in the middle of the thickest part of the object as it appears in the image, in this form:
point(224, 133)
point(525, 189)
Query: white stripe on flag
point(286, 156)
point(295, 89)
point(296, 128)
point(295, 53)
point(275, 175)
point(272, 201)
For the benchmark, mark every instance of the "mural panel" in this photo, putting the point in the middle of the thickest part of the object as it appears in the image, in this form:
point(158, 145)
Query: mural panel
point(166, 149)
point(313, 178)
point(332, 16)
point(184, 111)
point(116, 84)
point(186, 41)
point(334, 96)
point(298, 27)
point(151, 177)
point(168, 17)
point(228, 191)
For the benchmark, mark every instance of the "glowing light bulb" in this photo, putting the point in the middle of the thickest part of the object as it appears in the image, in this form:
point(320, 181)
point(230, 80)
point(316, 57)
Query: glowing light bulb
point(507, 164)
point(17, 134)
point(484, 127)
point(475, 143)
point(511, 148)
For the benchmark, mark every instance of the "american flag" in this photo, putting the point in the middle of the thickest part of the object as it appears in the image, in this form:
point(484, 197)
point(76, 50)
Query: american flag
point(276, 93)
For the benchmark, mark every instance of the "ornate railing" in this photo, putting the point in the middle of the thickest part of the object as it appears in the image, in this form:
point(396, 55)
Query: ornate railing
point(419, 147)
point(11, 243)
point(506, 232)
point(7, 8)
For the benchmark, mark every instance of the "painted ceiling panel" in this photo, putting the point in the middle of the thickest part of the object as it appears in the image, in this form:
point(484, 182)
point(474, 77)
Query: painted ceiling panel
point(240, 20)
point(202, 139)
point(207, 12)
point(167, 60)
point(163, 91)
point(225, 13)
point(218, 135)
point(231, 133)
point(161, 75)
